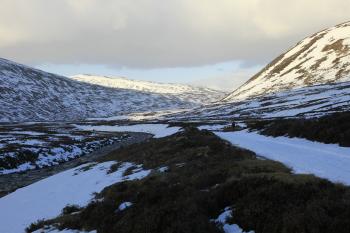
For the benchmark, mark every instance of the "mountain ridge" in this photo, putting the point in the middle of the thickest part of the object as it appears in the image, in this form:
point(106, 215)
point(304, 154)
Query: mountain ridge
point(321, 58)
point(84, 75)
point(197, 94)
point(29, 94)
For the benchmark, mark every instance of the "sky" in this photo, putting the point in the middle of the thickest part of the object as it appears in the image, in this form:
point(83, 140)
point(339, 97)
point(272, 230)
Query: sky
point(215, 43)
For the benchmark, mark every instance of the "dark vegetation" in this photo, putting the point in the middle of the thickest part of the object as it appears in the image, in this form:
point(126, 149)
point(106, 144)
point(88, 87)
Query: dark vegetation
point(24, 155)
point(333, 128)
point(206, 174)
point(69, 209)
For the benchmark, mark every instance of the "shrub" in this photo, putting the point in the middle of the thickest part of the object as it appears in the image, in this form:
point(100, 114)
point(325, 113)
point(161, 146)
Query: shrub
point(333, 128)
point(264, 195)
point(70, 209)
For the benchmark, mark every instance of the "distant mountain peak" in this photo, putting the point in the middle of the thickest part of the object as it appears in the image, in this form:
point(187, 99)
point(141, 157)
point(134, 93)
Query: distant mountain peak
point(319, 59)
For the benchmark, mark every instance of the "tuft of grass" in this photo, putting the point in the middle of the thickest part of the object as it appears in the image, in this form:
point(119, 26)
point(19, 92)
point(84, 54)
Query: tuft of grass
point(129, 171)
point(85, 168)
point(69, 209)
point(114, 168)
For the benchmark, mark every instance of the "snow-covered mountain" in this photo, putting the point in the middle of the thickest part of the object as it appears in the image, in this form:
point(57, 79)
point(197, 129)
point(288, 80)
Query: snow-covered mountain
point(312, 101)
point(319, 59)
point(28, 94)
point(186, 93)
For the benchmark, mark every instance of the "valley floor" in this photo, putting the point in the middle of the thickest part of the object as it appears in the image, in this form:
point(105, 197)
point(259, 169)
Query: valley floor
point(202, 158)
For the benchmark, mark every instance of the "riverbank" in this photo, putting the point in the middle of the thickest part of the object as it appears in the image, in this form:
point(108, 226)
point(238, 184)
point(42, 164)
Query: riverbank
point(11, 182)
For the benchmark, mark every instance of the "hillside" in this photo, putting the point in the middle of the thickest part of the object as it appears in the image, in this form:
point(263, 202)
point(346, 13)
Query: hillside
point(186, 93)
point(305, 102)
point(28, 94)
point(319, 59)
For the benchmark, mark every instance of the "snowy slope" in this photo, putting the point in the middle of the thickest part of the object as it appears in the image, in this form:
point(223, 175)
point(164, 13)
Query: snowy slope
point(321, 58)
point(29, 94)
point(45, 199)
point(313, 101)
point(184, 92)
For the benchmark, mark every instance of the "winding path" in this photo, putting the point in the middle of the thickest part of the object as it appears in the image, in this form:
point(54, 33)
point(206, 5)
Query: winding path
point(328, 161)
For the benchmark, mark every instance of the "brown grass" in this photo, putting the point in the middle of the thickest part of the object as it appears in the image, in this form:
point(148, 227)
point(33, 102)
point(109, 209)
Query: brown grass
point(264, 194)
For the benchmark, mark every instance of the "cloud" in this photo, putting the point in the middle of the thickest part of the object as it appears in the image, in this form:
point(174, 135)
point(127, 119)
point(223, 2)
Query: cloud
point(158, 33)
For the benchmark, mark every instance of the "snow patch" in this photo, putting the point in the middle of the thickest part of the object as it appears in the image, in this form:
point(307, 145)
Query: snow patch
point(163, 169)
point(212, 127)
point(46, 198)
point(328, 161)
point(229, 228)
point(124, 205)
point(158, 130)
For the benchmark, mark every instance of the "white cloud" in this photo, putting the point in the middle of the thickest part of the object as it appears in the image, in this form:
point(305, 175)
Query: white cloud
point(159, 33)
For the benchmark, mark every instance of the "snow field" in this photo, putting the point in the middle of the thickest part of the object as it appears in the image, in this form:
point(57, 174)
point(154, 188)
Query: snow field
point(45, 199)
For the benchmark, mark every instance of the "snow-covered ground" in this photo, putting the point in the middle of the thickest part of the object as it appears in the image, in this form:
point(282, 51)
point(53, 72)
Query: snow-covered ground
point(328, 161)
point(313, 101)
point(228, 228)
point(28, 147)
point(213, 127)
point(46, 199)
point(158, 130)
